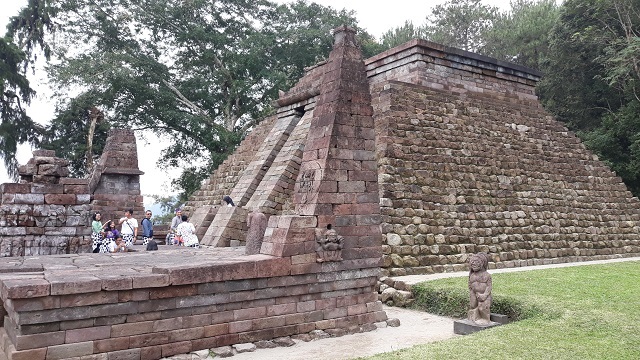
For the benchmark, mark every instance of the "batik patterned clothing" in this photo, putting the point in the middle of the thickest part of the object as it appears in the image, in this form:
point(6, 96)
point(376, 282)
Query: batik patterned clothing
point(187, 233)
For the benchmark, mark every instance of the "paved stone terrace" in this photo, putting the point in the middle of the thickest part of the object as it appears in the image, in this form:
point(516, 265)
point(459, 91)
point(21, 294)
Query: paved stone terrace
point(76, 273)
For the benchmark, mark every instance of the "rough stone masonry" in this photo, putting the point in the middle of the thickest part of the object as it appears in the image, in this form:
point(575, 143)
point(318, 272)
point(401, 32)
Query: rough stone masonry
point(467, 161)
point(317, 268)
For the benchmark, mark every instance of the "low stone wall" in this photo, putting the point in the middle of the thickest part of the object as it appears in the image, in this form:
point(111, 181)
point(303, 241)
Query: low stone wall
point(47, 212)
point(150, 305)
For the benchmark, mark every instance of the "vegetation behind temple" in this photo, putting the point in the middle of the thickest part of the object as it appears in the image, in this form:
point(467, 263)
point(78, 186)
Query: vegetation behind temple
point(201, 73)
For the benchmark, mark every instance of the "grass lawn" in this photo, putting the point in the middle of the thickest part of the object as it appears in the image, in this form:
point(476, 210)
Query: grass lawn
point(581, 312)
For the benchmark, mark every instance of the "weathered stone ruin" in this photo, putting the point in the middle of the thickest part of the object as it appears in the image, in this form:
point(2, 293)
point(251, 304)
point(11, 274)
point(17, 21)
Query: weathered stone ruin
point(413, 159)
point(315, 275)
point(49, 213)
point(467, 161)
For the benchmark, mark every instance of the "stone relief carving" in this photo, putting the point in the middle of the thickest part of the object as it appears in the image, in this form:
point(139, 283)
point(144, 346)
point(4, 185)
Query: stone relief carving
point(479, 289)
point(307, 186)
point(330, 245)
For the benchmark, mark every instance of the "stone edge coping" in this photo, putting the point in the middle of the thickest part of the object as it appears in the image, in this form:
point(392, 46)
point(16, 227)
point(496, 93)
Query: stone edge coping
point(457, 55)
point(50, 282)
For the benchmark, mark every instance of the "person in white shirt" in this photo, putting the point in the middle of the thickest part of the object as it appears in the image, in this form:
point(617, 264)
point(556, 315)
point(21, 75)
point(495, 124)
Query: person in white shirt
point(186, 233)
point(129, 228)
point(117, 246)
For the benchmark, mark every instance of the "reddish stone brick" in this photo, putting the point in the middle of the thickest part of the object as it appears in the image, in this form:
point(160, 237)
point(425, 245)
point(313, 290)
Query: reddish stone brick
point(305, 306)
point(129, 354)
point(294, 319)
point(240, 326)
point(269, 322)
point(132, 328)
point(335, 313)
point(74, 284)
point(148, 316)
point(239, 270)
point(251, 313)
point(228, 339)
point(25, 288)
point(253, 336)
point(176, 348)
point(87, 334)
point(222, 317)
point(196, 320)
point(113, 344)
point(69, 350)
point(151, 353)
point(173, 291)
point(150, 280)
point(115, 282)
point(102, 297)
point(60, 199)
point(24, 342)
point(137, 341)
point(33, 304)
point(186, 334)
point(216, 330)
point(305, 328)
point(33, 354)
point(284, 331)
point(167, 324)
point(204, 343)
point(281, 309)
point(133, 295)
point(357, 309)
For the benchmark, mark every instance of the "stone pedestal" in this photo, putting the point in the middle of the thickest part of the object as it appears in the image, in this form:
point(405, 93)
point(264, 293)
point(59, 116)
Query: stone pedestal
point(466, 326)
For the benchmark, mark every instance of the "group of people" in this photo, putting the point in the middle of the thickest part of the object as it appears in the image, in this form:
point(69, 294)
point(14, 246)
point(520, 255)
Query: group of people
point(106, 238)
point(182, 232)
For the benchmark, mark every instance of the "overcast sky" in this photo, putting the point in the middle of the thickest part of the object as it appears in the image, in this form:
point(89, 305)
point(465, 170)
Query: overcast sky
point(375, 16)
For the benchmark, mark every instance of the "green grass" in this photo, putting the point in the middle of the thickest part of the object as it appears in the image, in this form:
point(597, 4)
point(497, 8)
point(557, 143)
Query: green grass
point(582, 312)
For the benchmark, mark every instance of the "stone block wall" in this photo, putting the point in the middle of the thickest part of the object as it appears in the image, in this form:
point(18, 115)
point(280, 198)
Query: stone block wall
point(222, 181)
point(115, 181)
point(461, 175)
point(47, 212)
point(154, 306)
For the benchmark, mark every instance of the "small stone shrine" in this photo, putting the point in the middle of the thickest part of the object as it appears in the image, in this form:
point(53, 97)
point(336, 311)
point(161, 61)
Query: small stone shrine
point(47, 212)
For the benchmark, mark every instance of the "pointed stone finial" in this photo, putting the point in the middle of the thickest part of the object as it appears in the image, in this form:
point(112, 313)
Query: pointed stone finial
point(344, 36)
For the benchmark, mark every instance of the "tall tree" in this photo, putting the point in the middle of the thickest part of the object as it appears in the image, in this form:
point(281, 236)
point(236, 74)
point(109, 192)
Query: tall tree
point(25, 35)
point(460, 23)
point(521, 35)
point(200, 72)
point(591, 80)
point(401, 35)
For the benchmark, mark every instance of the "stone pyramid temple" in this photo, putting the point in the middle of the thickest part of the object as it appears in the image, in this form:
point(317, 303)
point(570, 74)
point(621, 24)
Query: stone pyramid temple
point(465, 157)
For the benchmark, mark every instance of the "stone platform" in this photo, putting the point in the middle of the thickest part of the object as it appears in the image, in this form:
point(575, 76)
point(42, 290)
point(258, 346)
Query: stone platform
point(148, 305)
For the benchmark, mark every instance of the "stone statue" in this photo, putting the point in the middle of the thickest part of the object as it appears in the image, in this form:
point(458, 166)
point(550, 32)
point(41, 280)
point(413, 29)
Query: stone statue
point(257, 224)
point(329, 245)
point(479, 289)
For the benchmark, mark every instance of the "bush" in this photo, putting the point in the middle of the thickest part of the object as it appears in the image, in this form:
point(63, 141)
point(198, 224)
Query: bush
point(454, 302)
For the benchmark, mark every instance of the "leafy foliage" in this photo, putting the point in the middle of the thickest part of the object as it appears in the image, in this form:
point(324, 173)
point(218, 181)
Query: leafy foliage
point(15, 93)
point(401, 35)
point(521, 35)
point(592, 77)
point(199, 72)
point(460, 23)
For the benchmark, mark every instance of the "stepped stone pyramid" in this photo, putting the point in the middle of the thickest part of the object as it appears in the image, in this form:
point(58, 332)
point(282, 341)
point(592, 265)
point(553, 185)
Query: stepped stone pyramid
point(466, 160)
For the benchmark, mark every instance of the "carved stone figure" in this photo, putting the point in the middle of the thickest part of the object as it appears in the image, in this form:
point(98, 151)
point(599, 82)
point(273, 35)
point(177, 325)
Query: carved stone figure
point(257, 224)
point(329, 245)
point(479, 289)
